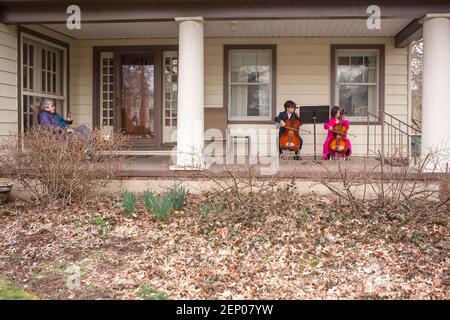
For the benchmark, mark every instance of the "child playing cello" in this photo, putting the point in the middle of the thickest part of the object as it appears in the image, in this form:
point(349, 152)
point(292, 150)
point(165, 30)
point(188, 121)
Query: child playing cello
point(290, 112)
point(336, 118)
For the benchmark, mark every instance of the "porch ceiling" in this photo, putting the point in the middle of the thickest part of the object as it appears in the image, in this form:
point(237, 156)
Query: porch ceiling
point(239, 28)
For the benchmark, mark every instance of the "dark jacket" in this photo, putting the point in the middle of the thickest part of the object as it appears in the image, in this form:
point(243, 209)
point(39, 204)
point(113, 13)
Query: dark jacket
point(284, 116)
point(47, 120)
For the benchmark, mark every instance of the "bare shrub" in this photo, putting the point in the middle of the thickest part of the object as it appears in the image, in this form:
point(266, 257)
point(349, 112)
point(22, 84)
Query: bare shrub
point(247, 196)
point(388, 187)
point(56, 167)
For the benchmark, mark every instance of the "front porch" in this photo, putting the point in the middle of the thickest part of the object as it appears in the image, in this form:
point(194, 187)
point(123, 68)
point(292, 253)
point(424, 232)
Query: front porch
point(157, 167)
point(159, 79)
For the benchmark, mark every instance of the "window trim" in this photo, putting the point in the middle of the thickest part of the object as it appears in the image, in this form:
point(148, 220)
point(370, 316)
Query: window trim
point(381, 75)
point(52, 42)
point(248, 120)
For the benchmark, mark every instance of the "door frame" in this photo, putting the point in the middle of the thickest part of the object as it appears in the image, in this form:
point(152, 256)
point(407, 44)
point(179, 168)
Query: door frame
point(117, 52)
point(157, 96)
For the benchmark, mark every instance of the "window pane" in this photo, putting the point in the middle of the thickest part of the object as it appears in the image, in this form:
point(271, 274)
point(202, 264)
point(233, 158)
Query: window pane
point(239, 100)
point(343, 61)
point(31, 78)
point(264, 74)
point(43, 82)
point(49, 60)
point(49, 82)
point(357, 100)
point(25, 77)
point(250, 100)
point(357, 73)
point(54, 61)
point(238, 75)
point(343, 74)
point(25, 54)
point(357, 61)
point(31, 59)
point(236, 59)
point(370, 61)
point(264, 58)
point(372, 75)
point(43, 62)
point(252, 74)
point(249, 58)
point(26, 125)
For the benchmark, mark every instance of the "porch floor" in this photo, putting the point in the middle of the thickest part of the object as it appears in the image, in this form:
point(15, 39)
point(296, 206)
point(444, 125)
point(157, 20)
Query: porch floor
point(158, 166)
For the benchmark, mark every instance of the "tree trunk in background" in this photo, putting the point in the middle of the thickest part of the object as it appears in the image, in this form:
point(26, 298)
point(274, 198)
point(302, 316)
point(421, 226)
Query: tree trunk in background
point(416, 82)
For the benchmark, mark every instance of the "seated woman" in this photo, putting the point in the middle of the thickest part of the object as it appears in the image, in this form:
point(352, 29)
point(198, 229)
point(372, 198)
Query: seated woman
point(290, 112)
point(336, 118)
point(50, 119)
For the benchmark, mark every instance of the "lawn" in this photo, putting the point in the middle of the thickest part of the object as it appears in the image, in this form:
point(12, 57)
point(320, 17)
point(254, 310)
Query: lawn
point(302, 249)
point(10, 291)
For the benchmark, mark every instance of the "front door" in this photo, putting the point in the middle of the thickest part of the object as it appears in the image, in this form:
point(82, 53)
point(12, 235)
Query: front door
point(138, 103)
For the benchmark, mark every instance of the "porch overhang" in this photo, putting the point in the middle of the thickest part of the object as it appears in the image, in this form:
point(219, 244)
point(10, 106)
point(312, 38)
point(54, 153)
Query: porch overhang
point(45, 12)
point(412, 32)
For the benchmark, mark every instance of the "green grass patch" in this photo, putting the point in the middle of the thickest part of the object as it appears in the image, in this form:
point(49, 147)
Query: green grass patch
point(129, 202)
point(161, 205)
point(9, 291)
point(148, 293)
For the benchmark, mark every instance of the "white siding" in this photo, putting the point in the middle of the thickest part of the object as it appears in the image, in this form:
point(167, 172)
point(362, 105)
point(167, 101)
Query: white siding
point(8, 80)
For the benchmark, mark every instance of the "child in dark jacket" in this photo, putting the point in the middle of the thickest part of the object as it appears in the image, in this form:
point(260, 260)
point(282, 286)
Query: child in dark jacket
point(290, 111)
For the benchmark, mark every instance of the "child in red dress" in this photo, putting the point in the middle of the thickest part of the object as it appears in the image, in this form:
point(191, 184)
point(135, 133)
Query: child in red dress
point(336, 117)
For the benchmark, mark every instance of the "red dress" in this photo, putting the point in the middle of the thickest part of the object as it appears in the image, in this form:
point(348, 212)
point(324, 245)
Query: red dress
point(326, 151)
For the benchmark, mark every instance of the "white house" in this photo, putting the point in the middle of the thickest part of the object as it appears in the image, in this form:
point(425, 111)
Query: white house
point(148, 67)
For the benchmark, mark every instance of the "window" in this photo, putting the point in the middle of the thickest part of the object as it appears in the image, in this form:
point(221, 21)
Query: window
point(250, 84)
point(170, 96)
point(357, 81)
point(42, 76)
point(107, 89)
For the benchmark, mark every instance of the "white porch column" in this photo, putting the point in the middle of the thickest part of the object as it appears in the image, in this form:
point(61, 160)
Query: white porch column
point(436, 88)
point(190, 140)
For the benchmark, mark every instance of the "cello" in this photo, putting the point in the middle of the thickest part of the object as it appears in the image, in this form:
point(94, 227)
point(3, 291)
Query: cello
point(339, 143)
point(290, 139)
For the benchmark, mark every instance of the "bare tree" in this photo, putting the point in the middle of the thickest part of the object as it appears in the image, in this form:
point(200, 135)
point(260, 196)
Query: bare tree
point(416, 70)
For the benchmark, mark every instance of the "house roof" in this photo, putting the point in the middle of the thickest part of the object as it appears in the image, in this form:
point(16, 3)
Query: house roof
point(54, 11)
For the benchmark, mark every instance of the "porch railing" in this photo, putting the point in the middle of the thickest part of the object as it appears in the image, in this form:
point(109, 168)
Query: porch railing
point(391, 138)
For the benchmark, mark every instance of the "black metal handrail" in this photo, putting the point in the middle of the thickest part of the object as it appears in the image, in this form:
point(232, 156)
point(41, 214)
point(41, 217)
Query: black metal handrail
point(395, 136)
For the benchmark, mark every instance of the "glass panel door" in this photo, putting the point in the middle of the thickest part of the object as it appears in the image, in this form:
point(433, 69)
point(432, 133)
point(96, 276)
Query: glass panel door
point(138, 96)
